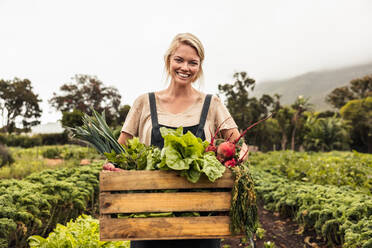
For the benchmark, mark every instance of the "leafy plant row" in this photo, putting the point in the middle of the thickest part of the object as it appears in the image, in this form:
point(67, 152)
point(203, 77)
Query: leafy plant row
point(37, 203)
point(30, 160)
point(26, 141)
point(55, 151)
point(336, 168)
point(341, 215)
point(83, 232)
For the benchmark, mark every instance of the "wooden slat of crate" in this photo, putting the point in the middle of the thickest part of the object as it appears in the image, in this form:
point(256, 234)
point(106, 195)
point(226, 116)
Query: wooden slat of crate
point(147, 180)
point(165, 228)
point(164, 202)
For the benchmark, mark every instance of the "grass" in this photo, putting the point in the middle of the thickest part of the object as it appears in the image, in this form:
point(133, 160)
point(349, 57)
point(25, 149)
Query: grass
point(29, 160)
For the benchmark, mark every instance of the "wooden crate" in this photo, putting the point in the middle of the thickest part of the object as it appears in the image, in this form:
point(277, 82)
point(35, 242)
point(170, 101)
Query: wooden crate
point(114, 200)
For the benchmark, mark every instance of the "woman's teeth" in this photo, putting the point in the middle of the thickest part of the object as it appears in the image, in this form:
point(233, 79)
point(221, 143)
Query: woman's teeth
point(183, 75)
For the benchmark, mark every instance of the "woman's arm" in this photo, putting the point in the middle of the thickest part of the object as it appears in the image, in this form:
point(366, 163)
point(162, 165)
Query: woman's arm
point(124, 137)
point(233, 134)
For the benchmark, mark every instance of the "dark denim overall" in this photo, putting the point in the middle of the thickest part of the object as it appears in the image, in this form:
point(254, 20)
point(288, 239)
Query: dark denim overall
point(157, 140)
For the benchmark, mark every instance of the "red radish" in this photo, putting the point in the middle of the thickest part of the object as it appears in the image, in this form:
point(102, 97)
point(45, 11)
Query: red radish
point(230, 163)
point(108, 166)
point(211, 148)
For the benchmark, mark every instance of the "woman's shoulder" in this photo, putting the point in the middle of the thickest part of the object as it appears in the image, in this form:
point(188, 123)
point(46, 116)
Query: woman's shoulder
point(141, 100)
point(215, 99)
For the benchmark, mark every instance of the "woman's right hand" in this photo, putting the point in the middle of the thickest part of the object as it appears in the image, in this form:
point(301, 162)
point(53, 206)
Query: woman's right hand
point(110, 167)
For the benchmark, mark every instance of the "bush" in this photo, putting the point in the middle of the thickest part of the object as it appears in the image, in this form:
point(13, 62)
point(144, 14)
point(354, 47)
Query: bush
point(25, 141)
point(52, 153)
point(5, 156)
point(54, 138)
point(117, 132)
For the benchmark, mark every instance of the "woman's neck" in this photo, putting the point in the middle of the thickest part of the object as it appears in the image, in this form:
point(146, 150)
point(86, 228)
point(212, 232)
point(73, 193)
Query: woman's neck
point(177, 90)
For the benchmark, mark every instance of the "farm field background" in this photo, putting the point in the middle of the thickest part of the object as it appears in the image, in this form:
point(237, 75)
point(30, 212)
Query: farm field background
point(328, 193)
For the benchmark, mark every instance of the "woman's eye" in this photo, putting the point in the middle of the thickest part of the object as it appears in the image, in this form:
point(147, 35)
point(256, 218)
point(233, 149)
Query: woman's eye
point(178, 60)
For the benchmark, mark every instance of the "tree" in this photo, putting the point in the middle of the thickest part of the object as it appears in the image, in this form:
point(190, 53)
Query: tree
point(72, 119)
point(284, 116)
point(122, 115)
point(85, 93)
point(268, 135)
point(19, 104)
point(243, 109)
point(300, 106)
point(327, 113)
point(237, 98)
point(326, 134)
point(359, 113)
point(339, 97)
point(359, 88)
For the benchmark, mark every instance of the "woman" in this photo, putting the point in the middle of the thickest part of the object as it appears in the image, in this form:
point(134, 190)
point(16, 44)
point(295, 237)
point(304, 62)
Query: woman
point(179, 104)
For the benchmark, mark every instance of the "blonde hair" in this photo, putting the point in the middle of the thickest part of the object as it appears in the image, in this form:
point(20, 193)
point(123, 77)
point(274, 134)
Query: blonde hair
point(190, 40)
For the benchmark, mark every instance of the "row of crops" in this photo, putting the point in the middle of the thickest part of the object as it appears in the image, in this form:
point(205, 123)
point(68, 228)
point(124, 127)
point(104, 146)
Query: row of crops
point(327, 192)
point(35, 204)
point(35, 159)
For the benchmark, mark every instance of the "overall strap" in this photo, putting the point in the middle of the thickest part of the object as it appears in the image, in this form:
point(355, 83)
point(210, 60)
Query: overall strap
point(154, 115)
point(203, 116)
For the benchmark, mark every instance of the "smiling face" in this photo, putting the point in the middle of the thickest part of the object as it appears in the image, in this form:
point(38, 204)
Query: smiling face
point(184, 64)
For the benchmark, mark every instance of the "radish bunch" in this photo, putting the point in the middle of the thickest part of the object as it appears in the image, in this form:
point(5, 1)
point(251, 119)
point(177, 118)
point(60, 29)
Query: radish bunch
point(110, 167)
point(227, 152)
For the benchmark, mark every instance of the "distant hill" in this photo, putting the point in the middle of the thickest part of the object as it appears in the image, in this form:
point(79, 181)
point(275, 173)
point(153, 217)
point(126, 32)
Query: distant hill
point(315, 85)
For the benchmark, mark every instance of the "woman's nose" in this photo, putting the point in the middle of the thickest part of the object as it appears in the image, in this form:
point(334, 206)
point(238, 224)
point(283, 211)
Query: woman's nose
point(184, 66)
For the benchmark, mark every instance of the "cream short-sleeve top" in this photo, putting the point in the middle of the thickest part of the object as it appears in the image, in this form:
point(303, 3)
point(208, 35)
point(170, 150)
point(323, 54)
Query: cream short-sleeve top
point(138, 121)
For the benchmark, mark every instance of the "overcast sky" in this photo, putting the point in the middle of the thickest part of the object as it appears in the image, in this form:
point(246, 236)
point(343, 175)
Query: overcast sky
point(123, 42)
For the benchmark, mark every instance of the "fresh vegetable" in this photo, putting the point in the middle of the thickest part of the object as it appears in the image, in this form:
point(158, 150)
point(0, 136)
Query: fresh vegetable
point(227, 152)
point(83, 232)
point(243, 211)
point(186, 153)
point(97, 133)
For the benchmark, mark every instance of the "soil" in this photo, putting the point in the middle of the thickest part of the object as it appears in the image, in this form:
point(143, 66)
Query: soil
point(53, 161)
point(281, 231)
point(57, 161)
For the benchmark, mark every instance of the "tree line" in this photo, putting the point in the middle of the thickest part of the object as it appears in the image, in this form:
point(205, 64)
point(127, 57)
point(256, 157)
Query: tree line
point(20, 105)
point(296, 126)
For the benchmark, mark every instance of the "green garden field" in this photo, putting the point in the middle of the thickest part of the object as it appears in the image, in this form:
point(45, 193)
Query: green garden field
point(329, 193)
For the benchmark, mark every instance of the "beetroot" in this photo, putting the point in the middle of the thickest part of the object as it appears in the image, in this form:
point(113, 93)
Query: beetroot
point(227, 152)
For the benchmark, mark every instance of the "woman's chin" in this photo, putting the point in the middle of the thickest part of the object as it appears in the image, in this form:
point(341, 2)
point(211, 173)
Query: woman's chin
point(182, 81)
